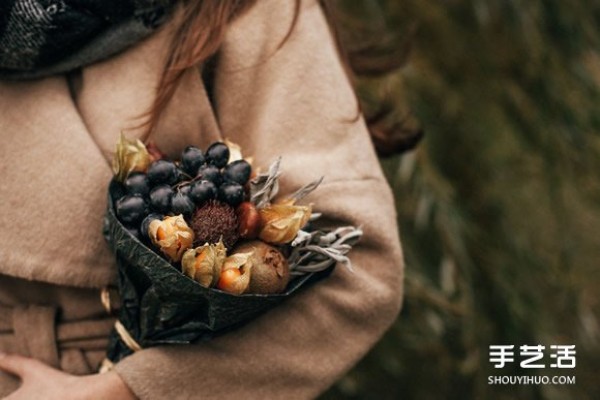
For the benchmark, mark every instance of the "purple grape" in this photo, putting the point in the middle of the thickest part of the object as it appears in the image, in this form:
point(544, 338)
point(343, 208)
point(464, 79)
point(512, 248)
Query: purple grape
point(182, 204)
point(161, 199)
point(202, 191)
point(211, 173)
point(231, 193)
point(131, 209)
point(137, 183)
point(218, 154)
point(163, 172)
point(191, 160)
point(238, 171)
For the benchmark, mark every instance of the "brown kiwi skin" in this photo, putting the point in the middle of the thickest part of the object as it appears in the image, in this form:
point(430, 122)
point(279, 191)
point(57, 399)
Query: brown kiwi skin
point(270, 270)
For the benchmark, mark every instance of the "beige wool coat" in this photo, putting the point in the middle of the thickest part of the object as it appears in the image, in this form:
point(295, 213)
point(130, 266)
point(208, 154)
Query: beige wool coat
point(57, 138)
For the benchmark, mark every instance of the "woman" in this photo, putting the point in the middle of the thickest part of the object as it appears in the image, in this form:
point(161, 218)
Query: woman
point(273, 89)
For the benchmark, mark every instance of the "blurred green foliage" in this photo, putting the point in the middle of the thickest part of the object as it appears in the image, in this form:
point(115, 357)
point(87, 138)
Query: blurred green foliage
point(499, 206)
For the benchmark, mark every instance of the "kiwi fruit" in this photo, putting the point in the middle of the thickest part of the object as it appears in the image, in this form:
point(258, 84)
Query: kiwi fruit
point(270, 269)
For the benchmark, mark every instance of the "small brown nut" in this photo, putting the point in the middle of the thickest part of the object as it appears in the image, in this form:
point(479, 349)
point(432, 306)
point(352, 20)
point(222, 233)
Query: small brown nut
point(154, 151)
point(249, 220)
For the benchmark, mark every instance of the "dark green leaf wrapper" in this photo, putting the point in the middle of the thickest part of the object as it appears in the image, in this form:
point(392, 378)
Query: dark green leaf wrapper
point(160, 305)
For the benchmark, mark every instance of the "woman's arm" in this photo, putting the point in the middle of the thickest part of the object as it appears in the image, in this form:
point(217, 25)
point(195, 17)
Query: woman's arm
point(295, 102)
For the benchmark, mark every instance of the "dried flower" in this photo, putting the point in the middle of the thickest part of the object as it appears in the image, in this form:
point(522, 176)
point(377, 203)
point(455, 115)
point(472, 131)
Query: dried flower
point(281, 222)
point(171, 235)
point(235, 274)
point(130, 156)
point(203, 264)
point(235, 151)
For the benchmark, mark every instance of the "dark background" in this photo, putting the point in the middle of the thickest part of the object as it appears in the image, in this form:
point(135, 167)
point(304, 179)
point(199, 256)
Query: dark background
point(499, 205)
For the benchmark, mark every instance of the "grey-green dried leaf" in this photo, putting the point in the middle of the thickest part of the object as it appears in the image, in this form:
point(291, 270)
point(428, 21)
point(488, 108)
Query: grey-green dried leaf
point(265, 186)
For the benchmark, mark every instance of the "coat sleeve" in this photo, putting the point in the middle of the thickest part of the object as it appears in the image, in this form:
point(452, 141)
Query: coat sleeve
point(293, 100)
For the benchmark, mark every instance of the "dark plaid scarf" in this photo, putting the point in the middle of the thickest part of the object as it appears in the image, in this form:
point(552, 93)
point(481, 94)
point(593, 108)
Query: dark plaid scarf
point(42, 37)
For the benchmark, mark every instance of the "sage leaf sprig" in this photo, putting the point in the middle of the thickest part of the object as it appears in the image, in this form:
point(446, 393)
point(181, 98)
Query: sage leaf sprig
point(265, 186)
point(318, 250)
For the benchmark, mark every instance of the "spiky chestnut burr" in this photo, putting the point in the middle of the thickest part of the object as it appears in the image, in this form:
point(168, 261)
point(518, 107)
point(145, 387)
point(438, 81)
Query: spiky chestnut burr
point(213, 221)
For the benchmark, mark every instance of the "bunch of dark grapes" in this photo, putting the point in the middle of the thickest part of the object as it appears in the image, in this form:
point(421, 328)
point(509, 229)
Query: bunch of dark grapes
point(183, 187)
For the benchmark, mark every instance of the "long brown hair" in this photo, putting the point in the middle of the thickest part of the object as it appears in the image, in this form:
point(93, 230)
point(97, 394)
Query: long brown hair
point(202, 29)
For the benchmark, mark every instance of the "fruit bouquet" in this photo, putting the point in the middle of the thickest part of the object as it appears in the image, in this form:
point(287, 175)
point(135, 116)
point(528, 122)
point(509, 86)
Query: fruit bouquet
point(205, 243)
